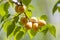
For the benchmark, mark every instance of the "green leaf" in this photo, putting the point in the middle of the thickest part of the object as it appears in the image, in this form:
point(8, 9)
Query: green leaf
point(44, 17)
point(44, 29)
point(20, 24)
point(28, 13)
point(58, 2)
point(26, 2)
point(6, 24)
point(5, 17)
point(19, 35)
point(2, 12)
point(30, 7)
point(32, 33)
point(55, 7)
point(6, 7)
point(11, 2)
point(16, 29)
point(16, 17)
point(59, 9)
point(52, 30)
point(58, 5)
point(1, 1)
point(10, 28)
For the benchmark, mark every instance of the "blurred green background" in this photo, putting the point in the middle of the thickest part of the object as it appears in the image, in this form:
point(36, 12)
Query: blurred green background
point(41, 7)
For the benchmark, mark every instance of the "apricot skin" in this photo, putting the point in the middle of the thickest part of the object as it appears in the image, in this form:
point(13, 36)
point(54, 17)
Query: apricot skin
point(33, 19)
point(41, 23)
point(20, 9)
point(35, 26)
point(23, 20)
point(28, 25)
point(16, 8)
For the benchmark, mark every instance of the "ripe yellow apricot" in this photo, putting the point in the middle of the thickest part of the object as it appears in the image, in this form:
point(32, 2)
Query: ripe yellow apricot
point(20, 9)
point(16, 8)
point(33, 19)
point(35, 26)
point(23, 20)
point(41, 22)
point(28, 25)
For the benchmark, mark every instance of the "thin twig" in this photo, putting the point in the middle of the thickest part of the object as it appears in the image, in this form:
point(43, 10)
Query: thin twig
point(26, 15)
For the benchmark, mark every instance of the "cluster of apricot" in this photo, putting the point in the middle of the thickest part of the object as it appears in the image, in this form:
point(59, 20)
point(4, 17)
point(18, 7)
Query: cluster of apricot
point(32, 23)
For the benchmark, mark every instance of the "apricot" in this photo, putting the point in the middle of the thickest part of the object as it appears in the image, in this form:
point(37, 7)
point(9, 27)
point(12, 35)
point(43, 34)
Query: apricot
point(35, 26)
point(16, 8)
point(23, 20)
point(20, 9)
point(33, 19)
point(28, 25)
point(41, 22)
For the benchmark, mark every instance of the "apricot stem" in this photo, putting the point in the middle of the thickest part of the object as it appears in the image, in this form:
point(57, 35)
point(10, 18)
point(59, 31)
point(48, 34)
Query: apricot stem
point(26, 15)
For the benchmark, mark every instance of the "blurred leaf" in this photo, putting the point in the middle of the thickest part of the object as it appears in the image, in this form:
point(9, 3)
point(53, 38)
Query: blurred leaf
point(32, 33)
point(20, 24)
point(16, 29)
point(44, 17)
point(52, 30)
point(59, 9)
point(58, 5)
point(6, 7)
point(19, 35)
point(28, 13)
point(10, 25)
point(5, 17)
point(1, 1)
point(55, 7)
point(16, 17)
point(26, 2)
point(6, 24)
point(2, 11)
point(44, 29)
point(30, 7)
point(58, 2)
point(10, 28)
point(11, 2)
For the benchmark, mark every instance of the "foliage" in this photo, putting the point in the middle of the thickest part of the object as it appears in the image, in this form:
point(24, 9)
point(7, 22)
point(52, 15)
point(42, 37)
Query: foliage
point(19, 30)
point(25, 2)
point(56, 6)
